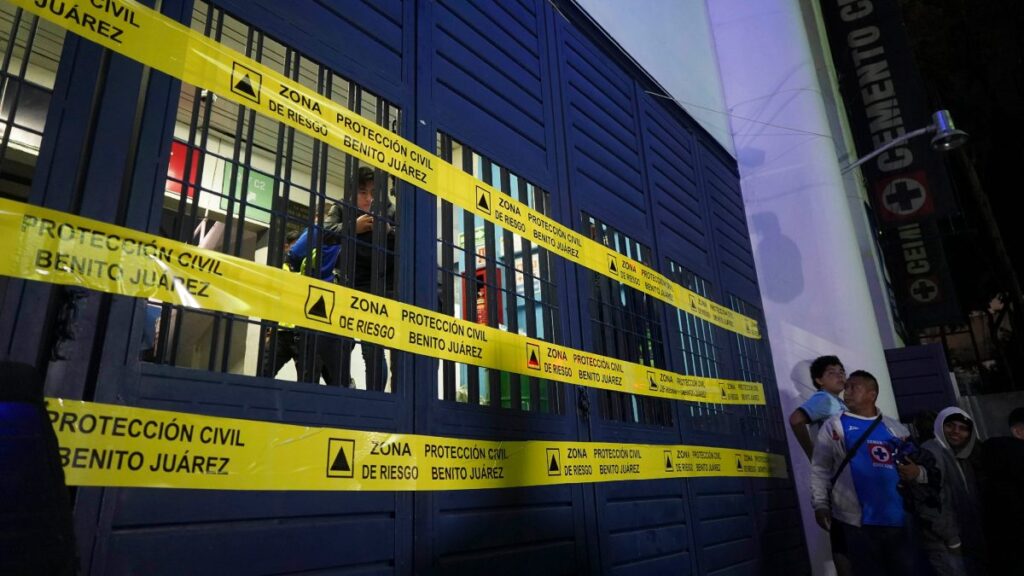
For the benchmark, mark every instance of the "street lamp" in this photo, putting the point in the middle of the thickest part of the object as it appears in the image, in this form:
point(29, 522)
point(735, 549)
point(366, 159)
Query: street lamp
point(945, 138)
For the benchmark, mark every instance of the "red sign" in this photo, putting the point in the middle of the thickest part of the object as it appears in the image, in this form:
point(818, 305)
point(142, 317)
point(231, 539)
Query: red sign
point(176, 168)
point(904, 197)
point(880, 453)
point(482, 296)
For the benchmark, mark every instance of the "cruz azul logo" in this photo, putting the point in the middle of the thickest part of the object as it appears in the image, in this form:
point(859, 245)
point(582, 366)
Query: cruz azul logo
point(880, 453)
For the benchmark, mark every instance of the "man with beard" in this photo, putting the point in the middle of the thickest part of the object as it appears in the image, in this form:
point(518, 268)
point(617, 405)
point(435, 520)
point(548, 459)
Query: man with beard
point(951, 526)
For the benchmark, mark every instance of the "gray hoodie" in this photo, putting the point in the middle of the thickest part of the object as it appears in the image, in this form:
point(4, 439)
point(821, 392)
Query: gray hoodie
point(961, 513)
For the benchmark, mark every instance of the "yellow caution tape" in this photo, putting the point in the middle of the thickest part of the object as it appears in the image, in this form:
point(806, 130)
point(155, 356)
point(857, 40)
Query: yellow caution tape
point(155, 40)
point(60, 248)
point(109, 445)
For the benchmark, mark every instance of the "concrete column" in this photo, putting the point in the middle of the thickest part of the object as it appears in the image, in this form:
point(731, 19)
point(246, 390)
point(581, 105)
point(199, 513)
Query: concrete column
point(816, 294)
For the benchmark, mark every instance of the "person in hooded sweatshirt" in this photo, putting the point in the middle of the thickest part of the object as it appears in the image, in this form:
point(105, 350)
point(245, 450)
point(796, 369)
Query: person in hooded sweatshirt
point(951, 530)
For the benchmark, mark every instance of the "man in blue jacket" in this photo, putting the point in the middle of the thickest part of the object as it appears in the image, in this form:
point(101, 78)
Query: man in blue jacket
point(364, 275)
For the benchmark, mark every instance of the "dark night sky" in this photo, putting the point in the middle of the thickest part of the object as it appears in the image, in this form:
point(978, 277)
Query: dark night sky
point(971, 56)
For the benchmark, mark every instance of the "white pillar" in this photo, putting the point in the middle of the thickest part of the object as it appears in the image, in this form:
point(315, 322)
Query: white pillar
point(813, 284)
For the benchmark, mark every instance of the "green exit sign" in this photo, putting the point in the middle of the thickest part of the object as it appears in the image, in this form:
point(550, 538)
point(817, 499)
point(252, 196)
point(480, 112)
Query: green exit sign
point(259, 194)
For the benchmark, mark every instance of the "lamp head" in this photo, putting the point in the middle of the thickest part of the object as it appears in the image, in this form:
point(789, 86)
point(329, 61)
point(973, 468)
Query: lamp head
point(946, 137)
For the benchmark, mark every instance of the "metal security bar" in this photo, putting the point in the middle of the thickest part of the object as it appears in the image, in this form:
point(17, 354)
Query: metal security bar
point(701, 351)
point(246, 185)
point(698, 338)
point(755, 365)
point(29, 53)
point(625, 324)
point(489, 275)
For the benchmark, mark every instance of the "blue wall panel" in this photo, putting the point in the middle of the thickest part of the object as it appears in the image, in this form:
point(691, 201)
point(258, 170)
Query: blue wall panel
point(208, 532)
point(488, 81)
point(360, 39)
point(599, 106)
point(513, 531)
point(542, 94)
point(645, 528)
point(779, 527)
point(724, 526)
point(679, 207)
point(734, 256)
point(489, 87)
point(920, 379)
point(133, 531)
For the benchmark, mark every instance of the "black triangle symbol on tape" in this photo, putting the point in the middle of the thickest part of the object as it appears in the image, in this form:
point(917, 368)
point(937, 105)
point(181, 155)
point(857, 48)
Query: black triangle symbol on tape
point(739, 465)
point(553, 467)
point(668, 464)
point(611, 266)
point(533, 359)
point(482, 203)
point(319, 309)
point(340, 462)
point(653, 385)
point(724, 393)
point(245, 85)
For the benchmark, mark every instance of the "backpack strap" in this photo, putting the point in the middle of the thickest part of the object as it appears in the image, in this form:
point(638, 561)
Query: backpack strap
point(853, 451)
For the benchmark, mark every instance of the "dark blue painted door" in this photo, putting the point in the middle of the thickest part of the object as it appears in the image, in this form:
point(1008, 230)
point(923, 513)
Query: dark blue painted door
point(528, 96)
point(920, 379)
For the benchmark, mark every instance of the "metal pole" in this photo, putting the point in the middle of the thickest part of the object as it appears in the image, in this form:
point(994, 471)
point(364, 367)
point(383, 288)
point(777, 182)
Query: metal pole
point(888, 146)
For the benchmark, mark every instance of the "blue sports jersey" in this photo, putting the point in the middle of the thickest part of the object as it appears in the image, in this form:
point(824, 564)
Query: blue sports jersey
point(873, 469)
point(821, 405)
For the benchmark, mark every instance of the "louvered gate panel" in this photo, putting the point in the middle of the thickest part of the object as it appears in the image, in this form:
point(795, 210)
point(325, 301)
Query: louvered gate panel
point(680, 207)
point(490, 81)
point(735, 259)
point(603, 146)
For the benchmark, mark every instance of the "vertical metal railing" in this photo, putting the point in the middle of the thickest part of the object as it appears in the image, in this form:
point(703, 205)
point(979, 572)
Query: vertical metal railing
point(307, 178)
point(488, 274)
point(626, 324)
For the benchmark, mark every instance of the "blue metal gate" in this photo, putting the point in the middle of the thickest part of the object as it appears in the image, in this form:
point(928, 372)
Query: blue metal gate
point(530, 97)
